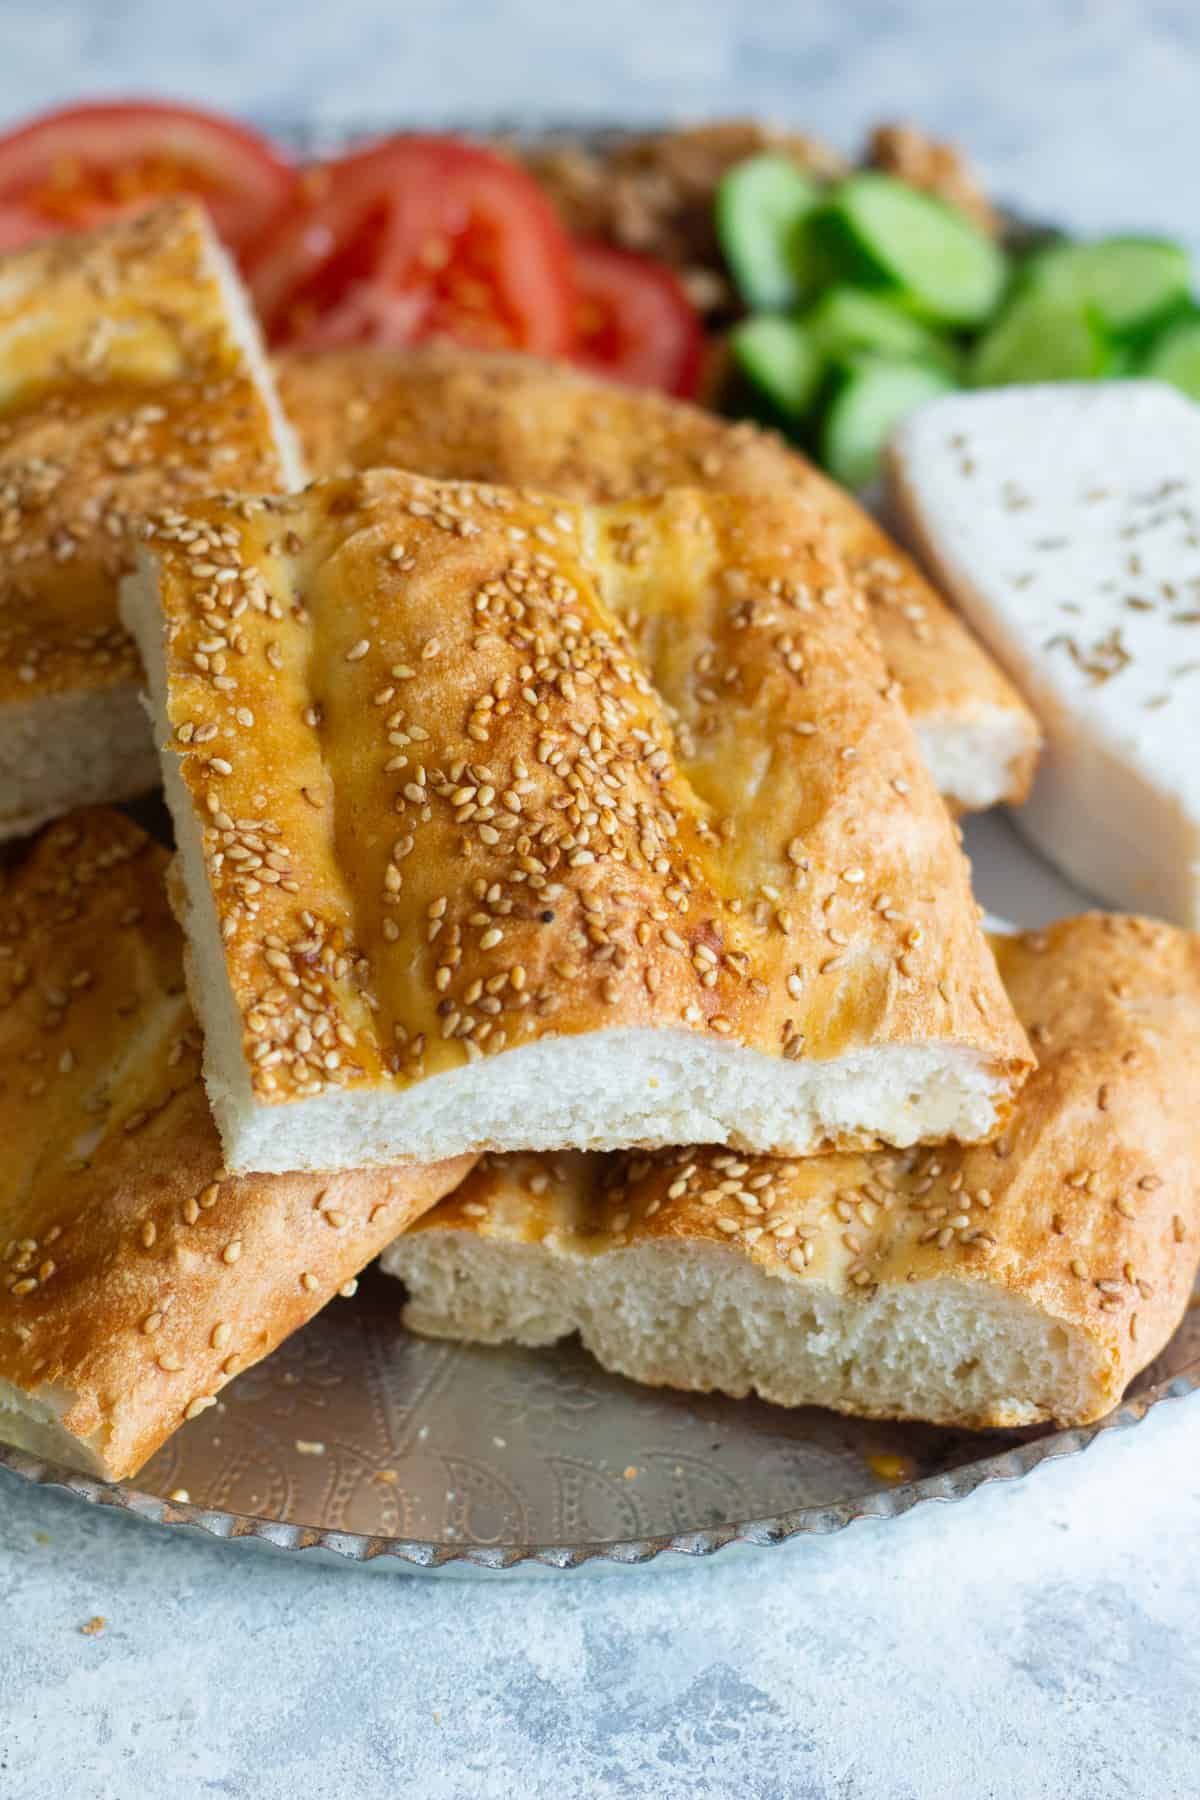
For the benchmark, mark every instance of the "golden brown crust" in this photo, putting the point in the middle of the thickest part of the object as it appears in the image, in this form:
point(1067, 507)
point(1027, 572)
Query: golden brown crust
point(1088, 1207)
point(135, 1278)
point(122, 387)
point(447, 813)
point(473, 417)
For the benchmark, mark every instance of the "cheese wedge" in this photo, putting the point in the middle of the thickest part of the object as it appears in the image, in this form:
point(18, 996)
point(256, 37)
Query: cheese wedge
point(1064, 521)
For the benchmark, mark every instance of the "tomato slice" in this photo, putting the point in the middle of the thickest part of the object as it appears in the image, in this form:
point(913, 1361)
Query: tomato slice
point(634, 322)
point(82, 165)
point(18, 227)
point(415, 238)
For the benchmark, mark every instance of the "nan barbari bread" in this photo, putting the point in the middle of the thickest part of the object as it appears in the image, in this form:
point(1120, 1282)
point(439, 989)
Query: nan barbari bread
point(510, 823)
point(466, 415)
point(136, 1277)
point(131, 376)
point(1002, 1284)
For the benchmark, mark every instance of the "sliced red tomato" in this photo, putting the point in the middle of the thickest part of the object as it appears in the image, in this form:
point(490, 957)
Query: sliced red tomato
point(417, 238)
point(635, 322)
point(18, 227)
point(82, 165)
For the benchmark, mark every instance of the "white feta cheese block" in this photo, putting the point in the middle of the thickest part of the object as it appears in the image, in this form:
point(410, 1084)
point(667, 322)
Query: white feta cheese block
point(1064, 521)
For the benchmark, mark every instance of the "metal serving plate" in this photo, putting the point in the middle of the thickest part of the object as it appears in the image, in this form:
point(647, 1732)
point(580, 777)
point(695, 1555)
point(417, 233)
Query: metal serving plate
point(359, 1444)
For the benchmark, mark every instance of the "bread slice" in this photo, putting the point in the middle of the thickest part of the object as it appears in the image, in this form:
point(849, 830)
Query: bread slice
point(135, 1277)
point(471, 416)
point(456, 882)
point(1062, 520)
point(1002, 1285)
point(131, 375)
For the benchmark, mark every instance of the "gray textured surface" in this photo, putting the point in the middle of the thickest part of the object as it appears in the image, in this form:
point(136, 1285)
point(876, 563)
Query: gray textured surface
point(1035, 1641)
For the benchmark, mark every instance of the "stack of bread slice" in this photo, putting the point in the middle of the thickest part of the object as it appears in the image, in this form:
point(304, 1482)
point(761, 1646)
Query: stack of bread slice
point(565, 900)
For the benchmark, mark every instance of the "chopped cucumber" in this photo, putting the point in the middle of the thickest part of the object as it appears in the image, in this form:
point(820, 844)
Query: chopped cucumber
point(848, 322)
point(761, 205)
point(1175, 357)
point(780, 358)
point(1042, 337)
point(870, 403)
point(1124, 362)
point(1131, 284)
point(882, 233)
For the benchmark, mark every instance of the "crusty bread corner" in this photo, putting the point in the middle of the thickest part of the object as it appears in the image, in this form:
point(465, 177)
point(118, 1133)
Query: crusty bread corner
point(463, 415)
point(1000, 1285)
point(132, 375)
point(468, 868)
point(78, 748)
point(136, 1278)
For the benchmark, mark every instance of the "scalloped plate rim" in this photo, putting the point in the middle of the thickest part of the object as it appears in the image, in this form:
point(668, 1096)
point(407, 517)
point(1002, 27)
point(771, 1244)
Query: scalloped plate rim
point(360, 1549)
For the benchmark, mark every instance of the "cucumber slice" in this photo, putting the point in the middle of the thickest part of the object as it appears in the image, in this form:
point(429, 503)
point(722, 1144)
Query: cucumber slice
point(848, 322)
point(1040, 336)
point(1175, 357)
point(780, 358)
point(886, 234)
point(866, 409)
point(761, 204)
point(1132, 284)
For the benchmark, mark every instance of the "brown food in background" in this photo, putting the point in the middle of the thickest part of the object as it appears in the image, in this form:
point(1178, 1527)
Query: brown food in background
point(653, 193)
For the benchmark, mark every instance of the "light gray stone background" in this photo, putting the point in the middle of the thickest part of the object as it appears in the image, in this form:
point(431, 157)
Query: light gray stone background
point(1039, 1640)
